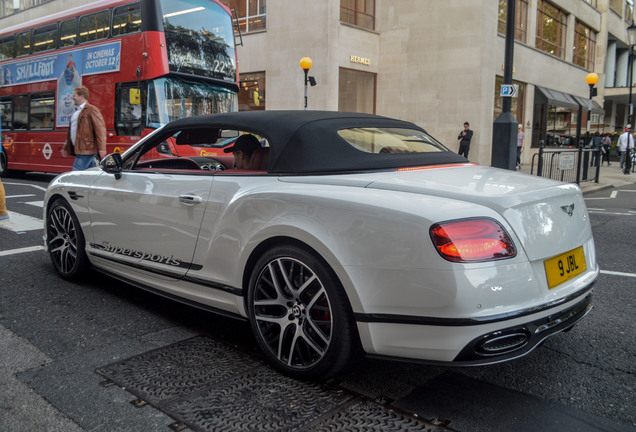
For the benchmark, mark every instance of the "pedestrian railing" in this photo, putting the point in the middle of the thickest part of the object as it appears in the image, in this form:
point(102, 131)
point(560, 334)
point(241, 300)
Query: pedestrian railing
point(571, 165)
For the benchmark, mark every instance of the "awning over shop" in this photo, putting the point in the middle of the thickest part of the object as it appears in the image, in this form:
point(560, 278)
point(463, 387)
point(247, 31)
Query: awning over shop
point(585, 104)
point(558, 98)
point(565, 100)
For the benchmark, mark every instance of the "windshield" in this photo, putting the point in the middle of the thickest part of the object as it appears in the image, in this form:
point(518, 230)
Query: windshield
point(200, 38)
point(391, 140)
point(173, 98)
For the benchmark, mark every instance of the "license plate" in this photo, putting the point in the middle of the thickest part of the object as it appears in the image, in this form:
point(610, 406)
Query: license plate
point(564, 267)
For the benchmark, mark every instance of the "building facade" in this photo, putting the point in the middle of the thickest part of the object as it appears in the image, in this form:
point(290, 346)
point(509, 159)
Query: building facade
point(435, 63)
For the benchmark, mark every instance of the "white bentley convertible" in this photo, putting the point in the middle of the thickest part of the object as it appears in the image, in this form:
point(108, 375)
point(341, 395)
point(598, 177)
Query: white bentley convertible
point(346, 234)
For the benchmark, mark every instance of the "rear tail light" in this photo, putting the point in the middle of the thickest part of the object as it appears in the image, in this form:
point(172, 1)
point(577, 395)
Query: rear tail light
point(472, 240)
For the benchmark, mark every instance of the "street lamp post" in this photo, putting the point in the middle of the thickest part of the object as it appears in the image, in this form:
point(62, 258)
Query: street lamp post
point(591, 79)
point(631, 36)
point(305, 64)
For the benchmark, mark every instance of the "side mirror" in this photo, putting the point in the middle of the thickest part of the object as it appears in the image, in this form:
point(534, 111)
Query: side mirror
point(112, 164)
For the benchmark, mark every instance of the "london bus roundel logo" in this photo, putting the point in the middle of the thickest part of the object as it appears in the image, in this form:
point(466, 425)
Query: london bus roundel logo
point(47, 151)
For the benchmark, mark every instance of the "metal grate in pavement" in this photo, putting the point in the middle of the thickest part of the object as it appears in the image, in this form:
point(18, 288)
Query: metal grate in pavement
point(207, 385)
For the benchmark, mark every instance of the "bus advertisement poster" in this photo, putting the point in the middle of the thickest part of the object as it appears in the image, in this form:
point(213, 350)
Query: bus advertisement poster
point(67, 68)
point(67, 79)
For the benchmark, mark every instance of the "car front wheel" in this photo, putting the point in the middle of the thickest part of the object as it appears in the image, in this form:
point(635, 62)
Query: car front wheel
point(65, 241)
point(300, 315)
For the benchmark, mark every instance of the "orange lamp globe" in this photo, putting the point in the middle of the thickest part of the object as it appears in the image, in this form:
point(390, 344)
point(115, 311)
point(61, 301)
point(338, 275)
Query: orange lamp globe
point(305, 63)
point(591, 78)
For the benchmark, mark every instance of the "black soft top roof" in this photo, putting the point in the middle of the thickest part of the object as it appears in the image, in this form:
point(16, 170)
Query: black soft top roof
point(308, 141)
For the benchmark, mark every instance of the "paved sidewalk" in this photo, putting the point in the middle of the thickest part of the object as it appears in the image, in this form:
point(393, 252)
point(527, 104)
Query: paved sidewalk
point(610, 176)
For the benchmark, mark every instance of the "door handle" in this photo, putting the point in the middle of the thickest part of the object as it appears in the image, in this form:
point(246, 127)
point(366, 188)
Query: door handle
point(190, 199)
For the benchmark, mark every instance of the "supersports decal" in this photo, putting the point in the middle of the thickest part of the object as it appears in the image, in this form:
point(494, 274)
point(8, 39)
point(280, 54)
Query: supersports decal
point(141, 255)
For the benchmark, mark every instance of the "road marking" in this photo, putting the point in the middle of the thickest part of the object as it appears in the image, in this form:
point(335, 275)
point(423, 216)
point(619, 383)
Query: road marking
point(39, 204)
point(613, 195)
point(613, 273)
point(603, 211)
point(21, 250)
point(42, 188)
point(18, 222)
point(19, 196)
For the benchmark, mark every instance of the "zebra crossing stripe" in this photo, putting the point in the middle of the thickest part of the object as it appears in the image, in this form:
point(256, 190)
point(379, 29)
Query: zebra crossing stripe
point(21, 250)
point(19, 223)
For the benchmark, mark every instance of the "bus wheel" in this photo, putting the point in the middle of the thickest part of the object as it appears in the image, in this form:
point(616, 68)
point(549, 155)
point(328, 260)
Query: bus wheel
point(3, 164)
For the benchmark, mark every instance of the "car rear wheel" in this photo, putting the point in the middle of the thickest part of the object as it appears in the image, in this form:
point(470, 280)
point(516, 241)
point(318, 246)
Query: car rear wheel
point(65, 241)
point(300, 315)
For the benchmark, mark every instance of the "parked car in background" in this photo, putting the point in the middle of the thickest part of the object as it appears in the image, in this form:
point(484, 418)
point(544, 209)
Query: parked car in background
point(349, 233)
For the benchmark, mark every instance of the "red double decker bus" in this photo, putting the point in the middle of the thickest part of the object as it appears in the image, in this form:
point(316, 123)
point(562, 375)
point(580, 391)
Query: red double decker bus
point(145, 62)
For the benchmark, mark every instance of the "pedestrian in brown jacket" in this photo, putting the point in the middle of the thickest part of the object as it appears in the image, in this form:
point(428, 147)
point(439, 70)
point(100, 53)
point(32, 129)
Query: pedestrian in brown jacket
point(86, 136)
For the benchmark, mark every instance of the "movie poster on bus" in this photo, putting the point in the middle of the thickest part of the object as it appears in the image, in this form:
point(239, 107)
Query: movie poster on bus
point(91, 60)
point(69, 76)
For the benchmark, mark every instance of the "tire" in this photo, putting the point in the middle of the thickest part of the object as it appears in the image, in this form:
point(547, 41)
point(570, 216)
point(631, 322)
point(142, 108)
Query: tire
point(65, 241)
point(308, 332)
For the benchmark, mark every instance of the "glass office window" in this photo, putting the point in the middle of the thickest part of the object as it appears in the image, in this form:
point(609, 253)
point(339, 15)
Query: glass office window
point(358, 12)
point(551, 29)
point(250, 13)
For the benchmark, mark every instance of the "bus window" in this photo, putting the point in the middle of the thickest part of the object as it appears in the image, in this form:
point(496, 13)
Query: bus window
point(23, 43)
point(45, 38)
point(68, 33)
point(5, 113)
point(42, 110)
point(199, 39)
point(7, 49)
point(126, 19)
point(94, 26)
point(21, 112)
point(129, 116)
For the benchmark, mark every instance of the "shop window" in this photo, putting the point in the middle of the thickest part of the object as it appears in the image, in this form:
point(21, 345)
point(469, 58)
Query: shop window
point(356, 91)
point(521, 19)
point(250, 13)
point(551, 29)
point(252, 92)
point(42, 111)
point(358, 12)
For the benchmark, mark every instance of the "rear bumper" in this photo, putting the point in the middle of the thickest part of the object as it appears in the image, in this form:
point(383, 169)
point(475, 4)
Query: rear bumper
point(468, 342)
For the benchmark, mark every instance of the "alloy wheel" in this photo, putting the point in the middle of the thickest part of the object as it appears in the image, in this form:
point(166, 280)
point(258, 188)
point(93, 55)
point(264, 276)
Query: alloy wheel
point(62, 240)
point(293, 313)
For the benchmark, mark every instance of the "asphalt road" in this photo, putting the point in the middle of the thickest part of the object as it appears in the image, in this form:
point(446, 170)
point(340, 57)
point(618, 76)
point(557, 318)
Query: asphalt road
point(68, 350)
